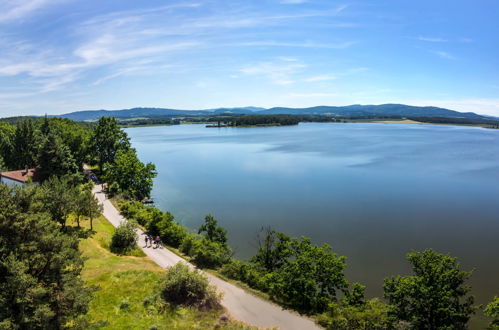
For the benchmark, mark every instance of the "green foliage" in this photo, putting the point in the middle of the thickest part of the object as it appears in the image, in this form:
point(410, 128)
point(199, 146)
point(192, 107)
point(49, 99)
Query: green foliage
point(210, 254)
point(133, 177)
point(107, 140)
point(40, 266)
point(7, 133)
point(87, 204)
point(124, 238)
point(435, 297)
point(273, 251)
point(309, 281)
point(355, 297)
point(155, 221)
point(213, 232)
point(58, 197)
point(492, 311)
point(25, 145)
point(183, 287)
point(245, 272)
point(373, 315)
point(55, 158)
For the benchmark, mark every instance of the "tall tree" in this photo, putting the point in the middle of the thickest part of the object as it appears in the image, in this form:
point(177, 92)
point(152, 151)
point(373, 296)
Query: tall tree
point(25, 145)
point(435, 297)
point(87, 205)
point(108, 139)
point(7, 133)
point(40, 268)
point(212, 230)
point(133, 177)
point(54, 158)
point(57, 196)
point(274, 248)
point(310, 279)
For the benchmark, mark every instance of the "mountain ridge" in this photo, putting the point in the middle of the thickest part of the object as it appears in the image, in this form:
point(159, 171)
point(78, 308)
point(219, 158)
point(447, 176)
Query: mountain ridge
point(349, 111)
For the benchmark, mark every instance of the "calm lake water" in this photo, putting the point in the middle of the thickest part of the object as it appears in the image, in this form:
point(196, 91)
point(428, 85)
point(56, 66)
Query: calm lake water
point(372, 191)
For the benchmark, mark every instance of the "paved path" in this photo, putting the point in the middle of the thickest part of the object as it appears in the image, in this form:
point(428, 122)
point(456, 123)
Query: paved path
point(242, 305)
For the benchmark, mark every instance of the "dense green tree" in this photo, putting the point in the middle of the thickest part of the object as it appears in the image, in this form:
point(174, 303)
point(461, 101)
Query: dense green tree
point(76, 136)
point(7, 134)
point(310, 279)
point(492, 311)
point(435, 297)
point(55, 158)
point(40, 267)
point(58, 197)
point(133, 177)
point(25, 145)
point(108, 139)
point(274, 248)
point(213, 232)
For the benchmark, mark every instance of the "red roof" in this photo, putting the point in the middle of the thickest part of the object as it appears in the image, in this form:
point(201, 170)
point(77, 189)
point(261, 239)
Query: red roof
point(21, 175)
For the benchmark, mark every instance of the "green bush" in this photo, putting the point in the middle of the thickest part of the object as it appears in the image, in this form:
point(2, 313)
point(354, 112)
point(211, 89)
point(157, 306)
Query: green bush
point(372, 315)
point(124, 238)
point(209, 254)
point(492, 311)
point(244, 272)
point(183, 287)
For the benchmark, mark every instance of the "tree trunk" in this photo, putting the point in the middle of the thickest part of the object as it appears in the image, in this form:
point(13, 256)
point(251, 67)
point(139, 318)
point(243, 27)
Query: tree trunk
point(91, 224)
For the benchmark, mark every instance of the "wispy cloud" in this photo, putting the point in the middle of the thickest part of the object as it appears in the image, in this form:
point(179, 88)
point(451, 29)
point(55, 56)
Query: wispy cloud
point(311, 95)
point(308, 44)
point(293, 2)
point(17, 9)
point(279, 73)
point(429, 39)
point(324, 77)
point(443, 54)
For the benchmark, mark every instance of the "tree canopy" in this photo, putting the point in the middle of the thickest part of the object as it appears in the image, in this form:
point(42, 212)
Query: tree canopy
point(40, 266)
point(435, 297)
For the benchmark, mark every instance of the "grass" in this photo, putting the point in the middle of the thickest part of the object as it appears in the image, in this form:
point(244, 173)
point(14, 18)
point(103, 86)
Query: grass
point(126, 282)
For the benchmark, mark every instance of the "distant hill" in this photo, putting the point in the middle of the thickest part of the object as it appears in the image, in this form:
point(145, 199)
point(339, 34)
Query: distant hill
point(350, 111)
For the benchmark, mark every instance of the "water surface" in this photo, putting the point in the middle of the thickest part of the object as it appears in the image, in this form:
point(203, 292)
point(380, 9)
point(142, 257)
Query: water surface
point(372, 191)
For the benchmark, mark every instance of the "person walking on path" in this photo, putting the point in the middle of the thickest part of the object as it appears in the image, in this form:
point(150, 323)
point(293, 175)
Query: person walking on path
point(146, 239)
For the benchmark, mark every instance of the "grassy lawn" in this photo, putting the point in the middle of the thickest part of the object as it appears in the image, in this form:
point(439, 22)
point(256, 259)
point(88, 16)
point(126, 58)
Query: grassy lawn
point(125, 282)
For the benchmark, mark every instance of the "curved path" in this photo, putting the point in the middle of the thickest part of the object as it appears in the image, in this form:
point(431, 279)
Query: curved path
point(242, 305)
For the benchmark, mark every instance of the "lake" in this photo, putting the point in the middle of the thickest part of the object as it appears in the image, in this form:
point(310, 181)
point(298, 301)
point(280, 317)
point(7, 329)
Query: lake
point(371, 191)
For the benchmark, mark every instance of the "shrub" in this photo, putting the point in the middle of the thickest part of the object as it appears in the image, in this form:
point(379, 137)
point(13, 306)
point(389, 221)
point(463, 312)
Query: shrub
point(492, 311)
point(183, 287)
point(210, 254)
point(124, 238)
point(373, 315)
point(244, 272)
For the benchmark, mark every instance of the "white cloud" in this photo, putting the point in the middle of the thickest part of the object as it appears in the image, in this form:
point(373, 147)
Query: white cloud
point(278, 73)
point(324, 77)
point(17, 9)
point(429, 39)
point(443, 54)
point(293, 2)
point(311, 95)
point(270, 43)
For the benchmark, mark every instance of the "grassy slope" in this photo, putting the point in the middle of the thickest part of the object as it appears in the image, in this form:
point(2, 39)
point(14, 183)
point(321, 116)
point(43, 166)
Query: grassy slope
point(131, 279)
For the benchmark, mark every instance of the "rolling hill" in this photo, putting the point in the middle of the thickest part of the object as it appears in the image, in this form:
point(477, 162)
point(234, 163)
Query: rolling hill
point(350, 111)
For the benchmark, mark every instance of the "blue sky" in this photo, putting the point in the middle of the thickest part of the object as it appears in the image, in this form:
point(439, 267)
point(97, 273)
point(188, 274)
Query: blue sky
point(59, 56)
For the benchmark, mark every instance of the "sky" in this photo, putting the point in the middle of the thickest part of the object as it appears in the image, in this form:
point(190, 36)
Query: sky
point(59, 56)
